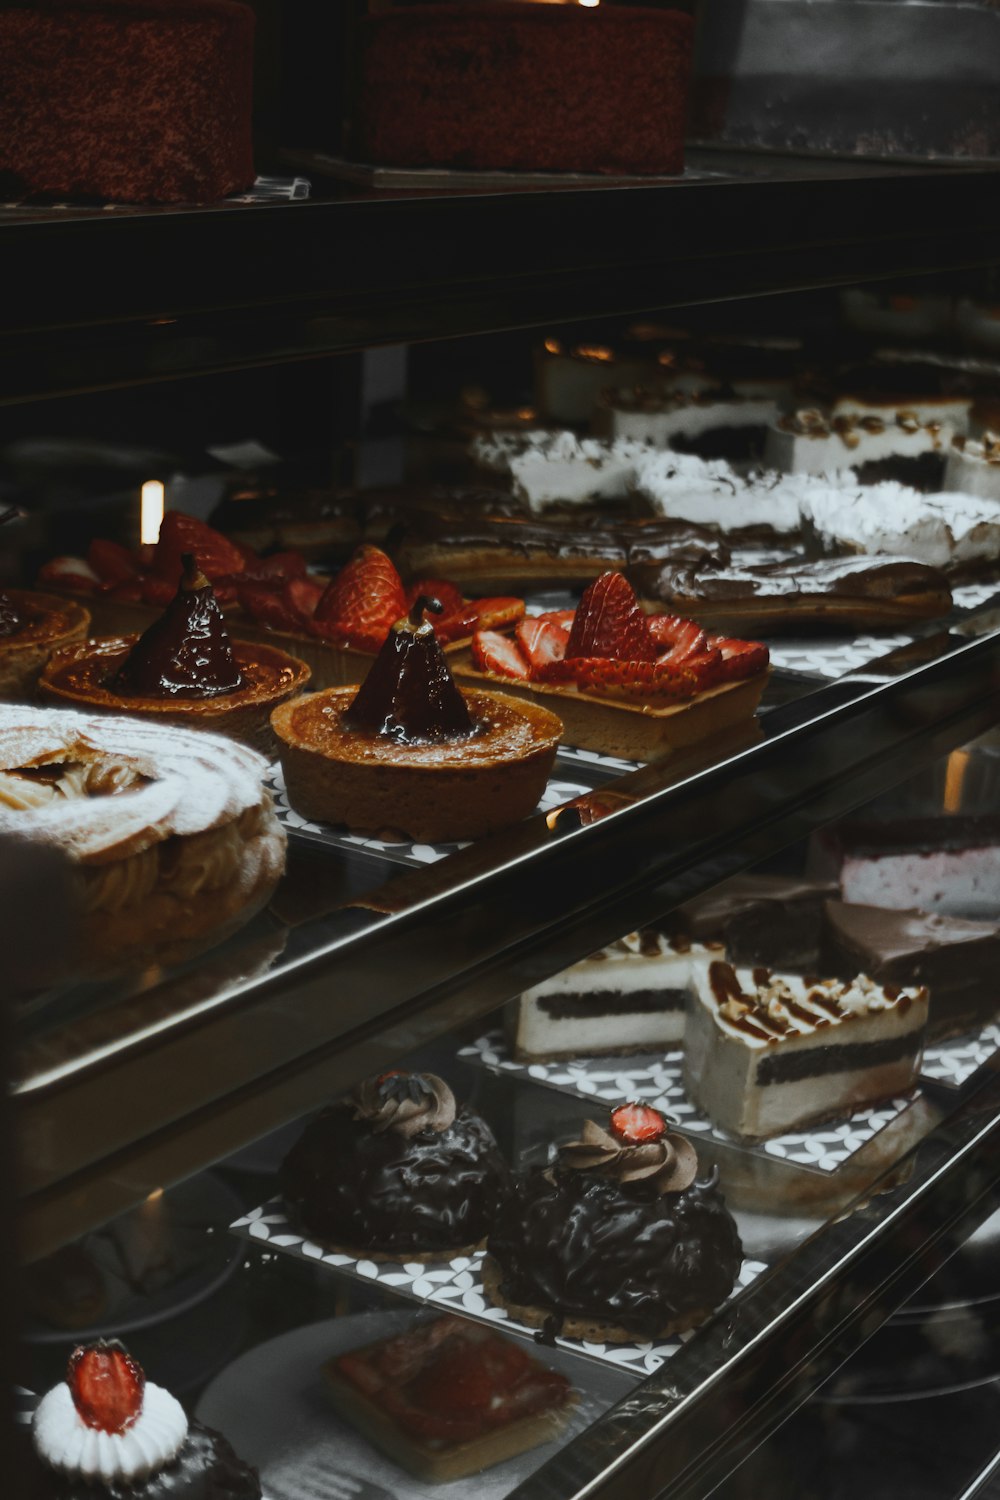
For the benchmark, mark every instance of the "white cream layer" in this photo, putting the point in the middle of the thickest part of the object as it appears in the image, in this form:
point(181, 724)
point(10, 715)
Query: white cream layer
point(65, 1442)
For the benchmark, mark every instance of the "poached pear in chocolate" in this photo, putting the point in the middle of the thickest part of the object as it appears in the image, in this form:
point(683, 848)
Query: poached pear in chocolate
point(186, 653)
point(409, 694)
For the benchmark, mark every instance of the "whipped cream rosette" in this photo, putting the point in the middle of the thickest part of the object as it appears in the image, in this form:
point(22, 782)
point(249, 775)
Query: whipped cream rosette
point(172, 833)
point(107, 1430)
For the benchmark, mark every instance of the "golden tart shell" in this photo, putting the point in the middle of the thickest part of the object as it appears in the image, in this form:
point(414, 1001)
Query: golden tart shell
point(459, 789)
point(51, 622)
point(76, 677)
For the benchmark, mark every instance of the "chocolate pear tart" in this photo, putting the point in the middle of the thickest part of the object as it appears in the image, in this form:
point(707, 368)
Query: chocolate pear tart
point(172, 835)
point(397, 1171)
point(182, 670)
point(617, 1240)
point(411, 752)
point(106, 1433)
point(32, 627)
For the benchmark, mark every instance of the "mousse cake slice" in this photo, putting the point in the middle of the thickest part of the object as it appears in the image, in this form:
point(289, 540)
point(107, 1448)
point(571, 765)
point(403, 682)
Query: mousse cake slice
point(628, 997)
point(767, 1053)
point(958, 961)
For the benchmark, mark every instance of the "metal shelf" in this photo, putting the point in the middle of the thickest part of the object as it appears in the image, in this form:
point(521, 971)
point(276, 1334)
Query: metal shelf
point(96, 299)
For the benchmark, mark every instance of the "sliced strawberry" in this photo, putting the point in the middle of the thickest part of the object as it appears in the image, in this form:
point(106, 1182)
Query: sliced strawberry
point(542, 642)
point(112, 562)
point(479, 614)
point(448, 595)
point(740, 658)
point(664, 628)
point(631, 679)
point(129, 591)
point(705, 666)
point(561, 617)
point(304, 594)
point(106, 1384)
point(636, 1124)
point(215, 554)
point(274, 569)
point(362, 603)
point(157, 590)
point(689, 640)
point(70, 573)
point(499, 654)
point(609, 622)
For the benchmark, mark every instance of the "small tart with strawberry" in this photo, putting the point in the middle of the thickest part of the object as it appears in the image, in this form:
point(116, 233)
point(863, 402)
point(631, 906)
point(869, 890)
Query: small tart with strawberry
point(32, 627)
point(108, 1432)
point(616, 1240)
point(623, 682)
point(410, 752)
point(183, 670)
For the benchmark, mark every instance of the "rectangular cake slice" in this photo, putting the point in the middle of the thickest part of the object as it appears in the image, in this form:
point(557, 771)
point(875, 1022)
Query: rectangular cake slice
point(948, 864)
point(760, 919)
point(766, 1053)
point(448, 1398)
point(958, 961)
point(628, 997)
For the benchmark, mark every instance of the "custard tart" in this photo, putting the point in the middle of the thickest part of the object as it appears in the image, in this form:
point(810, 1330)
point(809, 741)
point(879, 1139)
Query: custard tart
point(32, 626)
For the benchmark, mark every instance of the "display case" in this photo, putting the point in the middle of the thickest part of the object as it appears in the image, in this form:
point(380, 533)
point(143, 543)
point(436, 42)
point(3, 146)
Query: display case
point(184, 1087)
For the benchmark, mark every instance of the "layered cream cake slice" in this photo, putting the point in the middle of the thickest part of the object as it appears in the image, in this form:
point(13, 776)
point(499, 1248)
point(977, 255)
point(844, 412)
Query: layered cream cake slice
point(811, 441)
point(629, 997)
point(712, 424)
point(767, 1053)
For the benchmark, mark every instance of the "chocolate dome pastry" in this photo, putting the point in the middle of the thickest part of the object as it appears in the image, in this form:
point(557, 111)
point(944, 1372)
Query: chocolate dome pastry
point(397, 1171)
point(617, 1240)
point(106, 1433)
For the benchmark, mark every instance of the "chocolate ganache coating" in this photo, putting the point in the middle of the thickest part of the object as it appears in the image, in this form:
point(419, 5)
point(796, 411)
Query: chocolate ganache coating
point(206, 1468)
point(582, 1244)
point(364, 1178)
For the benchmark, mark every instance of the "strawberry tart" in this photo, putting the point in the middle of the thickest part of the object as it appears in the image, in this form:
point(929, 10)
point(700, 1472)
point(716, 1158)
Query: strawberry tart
point(623, 682)
point(106, 1433)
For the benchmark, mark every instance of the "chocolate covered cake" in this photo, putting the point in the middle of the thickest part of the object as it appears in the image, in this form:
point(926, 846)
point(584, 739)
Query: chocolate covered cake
point(958, 961)
point(398, 1171)
point(617, 1239)
point(108, 1434)
point(775, 920)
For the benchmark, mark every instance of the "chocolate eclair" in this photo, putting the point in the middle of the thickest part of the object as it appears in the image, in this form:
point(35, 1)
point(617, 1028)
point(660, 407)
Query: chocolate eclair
point(771, 598)
point(397, 1171)
point(617, 1240)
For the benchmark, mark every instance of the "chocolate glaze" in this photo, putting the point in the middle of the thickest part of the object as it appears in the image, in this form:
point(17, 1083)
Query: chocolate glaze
point(11, 620)
point(409, 694)
point(206, 1468)
point(588, 537)
point(348, 1185)
point(583, 1246)
point(775, 920)
point(186, 653)
point(791, 582)
point(957, 960)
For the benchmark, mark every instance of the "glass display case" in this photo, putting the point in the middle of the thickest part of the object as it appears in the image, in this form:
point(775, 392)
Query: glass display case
point(152, 1112)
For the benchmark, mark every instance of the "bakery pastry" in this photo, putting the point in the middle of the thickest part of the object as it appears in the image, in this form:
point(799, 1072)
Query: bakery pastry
point(948, 863)
point(955, 959)
point(628, 997)
point(775, 920)
point(617, 1240)
point(712, 424)
point(108, 1432)
point(183, 670)
point(179, 71)
point(896, 446)
point(410, 751)
point(449, 1398)
point(526, 64)
point(558, 472)
point(766, 1053)
point(682, 487)
point(973, 466)
point(773, 598)
point(623, 683)
point(32, 626)
point(172, 834)
point(274, 518)
point(569, 378)
point(397, 1171)
point(956, 532)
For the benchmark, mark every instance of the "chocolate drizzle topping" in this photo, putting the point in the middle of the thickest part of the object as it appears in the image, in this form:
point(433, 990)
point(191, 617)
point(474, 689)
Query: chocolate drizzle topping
point(406, 1103)
point(186, 653)
point(671, 1163)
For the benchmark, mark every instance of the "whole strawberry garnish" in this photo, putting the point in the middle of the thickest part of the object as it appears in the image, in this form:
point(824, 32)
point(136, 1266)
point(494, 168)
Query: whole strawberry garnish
point(363, 602)
point(609, 622)
point(106, 1384)
point(637, 1124)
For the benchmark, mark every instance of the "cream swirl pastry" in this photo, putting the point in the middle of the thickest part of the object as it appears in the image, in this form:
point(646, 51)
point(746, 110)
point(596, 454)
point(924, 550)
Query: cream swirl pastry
point(172, 832)
point(106, 1431)
point(406, 1103)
